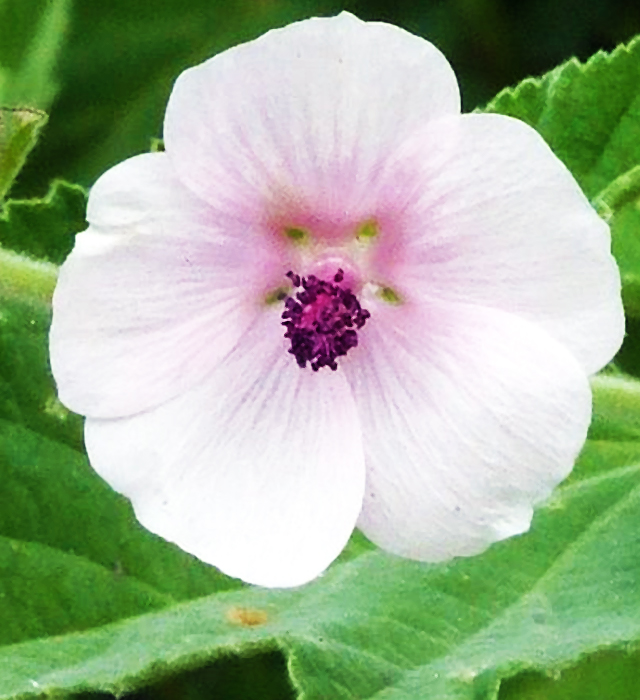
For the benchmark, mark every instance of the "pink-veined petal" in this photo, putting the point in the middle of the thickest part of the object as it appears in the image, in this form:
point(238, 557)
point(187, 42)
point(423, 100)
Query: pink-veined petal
point(495, 219)
point(299, 121)
point(259, 470)
point(153, 295)
point(470, 416)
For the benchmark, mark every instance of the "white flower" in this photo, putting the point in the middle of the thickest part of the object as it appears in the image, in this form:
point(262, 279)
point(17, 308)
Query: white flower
point(483, 295)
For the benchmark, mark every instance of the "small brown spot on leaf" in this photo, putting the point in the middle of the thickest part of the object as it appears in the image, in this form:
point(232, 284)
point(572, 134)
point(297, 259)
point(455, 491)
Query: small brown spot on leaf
point(247, 617)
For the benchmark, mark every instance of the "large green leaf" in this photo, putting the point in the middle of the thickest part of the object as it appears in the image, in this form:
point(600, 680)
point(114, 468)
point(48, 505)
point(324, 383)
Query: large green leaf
point(378, 623)
point(45, 591)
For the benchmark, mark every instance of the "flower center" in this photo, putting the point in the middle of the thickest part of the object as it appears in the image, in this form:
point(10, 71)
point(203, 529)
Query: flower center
point(322, 321)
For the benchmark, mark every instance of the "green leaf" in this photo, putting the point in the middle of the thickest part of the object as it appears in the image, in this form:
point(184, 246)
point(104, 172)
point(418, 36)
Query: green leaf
point(27, 392)
point(625, 189)
point(616, 415)
point(625, 226)
point(45, 592)
point(44, 228)
point(379, 626)
point(614, 433)
point(603, 676)
point(256, 677)
point(31, 35)
point(19, 130)
point(588, 113)
point(619, 204)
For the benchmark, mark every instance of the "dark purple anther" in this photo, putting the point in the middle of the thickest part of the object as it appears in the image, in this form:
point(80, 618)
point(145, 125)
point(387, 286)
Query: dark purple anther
point(320, 321)
point(295, 279)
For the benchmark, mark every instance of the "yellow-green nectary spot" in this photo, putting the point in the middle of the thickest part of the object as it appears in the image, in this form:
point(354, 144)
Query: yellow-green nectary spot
point(275, 295)
point(297, 235)
point(390, 295)
point(368, 229)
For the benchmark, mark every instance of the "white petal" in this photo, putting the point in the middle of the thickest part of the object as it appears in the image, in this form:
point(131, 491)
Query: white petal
point(302, 117)
point(496, 219)
point(258, 471)
point(141, 188)
point(470, 416)
point(151, 298)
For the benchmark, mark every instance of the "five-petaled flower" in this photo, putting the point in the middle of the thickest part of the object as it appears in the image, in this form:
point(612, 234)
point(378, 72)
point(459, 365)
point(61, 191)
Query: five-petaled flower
point(334, 301)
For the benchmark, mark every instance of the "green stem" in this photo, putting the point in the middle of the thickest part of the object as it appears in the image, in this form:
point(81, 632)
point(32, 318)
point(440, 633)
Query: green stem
point(621, 191)
point(24, 277)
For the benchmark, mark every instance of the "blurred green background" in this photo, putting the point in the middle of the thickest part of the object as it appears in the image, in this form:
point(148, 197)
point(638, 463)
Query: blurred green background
point(117, 61)
point(111, 69)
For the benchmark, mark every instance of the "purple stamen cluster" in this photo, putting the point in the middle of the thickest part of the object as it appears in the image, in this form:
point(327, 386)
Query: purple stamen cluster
point(322, 321)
